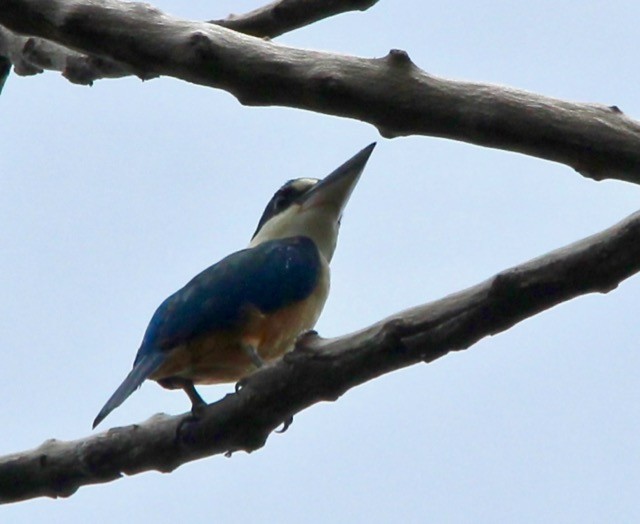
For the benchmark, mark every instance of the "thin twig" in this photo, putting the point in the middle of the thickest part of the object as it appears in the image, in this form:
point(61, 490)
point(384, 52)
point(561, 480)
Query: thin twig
point(282, 16)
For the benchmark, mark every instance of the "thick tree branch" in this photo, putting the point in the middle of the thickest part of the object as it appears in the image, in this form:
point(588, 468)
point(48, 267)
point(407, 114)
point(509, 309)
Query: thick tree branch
point(323, 369)
point(31, 55)
point(391, 93)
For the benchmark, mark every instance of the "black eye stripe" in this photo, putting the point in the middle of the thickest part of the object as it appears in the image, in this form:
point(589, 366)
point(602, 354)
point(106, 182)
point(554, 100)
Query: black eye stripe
point(283, 198)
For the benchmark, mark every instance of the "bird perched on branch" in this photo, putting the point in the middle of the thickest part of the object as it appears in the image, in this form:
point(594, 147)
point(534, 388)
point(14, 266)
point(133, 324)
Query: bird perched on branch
point(250, 307)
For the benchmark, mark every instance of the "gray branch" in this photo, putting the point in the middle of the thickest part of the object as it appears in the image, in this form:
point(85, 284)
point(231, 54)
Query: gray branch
point(31, 56)
point(324, 369)
point(282, 16)
point(390, 93)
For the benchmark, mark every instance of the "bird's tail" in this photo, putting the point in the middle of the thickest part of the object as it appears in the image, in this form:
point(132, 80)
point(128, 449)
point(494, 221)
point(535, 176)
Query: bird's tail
point(140, 372)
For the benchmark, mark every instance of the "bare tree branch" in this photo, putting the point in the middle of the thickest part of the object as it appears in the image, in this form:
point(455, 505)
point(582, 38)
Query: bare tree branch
point(12, 49)
point(391, 93)
point(282, 16)
point(324, 369)
point(31, 55)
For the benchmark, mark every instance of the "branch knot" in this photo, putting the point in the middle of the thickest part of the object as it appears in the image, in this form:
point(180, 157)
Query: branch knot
point(398, 57)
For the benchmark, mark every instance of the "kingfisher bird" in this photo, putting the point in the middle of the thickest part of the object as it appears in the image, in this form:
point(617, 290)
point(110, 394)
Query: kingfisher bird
point(249, 308)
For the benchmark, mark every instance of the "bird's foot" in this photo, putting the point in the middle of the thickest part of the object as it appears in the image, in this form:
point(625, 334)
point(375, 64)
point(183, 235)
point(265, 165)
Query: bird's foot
point(304, 340)
point(185, 429)
point(285, 424)
point(241, 383)
point(197, 410)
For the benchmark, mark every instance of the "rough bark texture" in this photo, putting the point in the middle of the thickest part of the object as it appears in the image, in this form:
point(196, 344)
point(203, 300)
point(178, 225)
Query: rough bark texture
point(391, 93)
point(286, 15)
point(31, 55)
point(323, 369)
point(89, 40)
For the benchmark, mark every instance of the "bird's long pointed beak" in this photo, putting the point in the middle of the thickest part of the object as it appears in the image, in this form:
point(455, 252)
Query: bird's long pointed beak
point(334, 190)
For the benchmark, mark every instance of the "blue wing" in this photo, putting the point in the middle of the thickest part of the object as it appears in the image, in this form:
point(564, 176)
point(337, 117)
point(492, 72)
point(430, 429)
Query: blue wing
point(267, 277)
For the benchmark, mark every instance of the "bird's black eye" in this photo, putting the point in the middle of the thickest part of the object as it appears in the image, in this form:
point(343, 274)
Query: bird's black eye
point(284, 197)
point(280, 201)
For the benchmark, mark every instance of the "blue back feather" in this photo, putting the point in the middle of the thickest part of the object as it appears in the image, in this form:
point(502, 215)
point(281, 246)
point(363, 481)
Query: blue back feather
point(268, 277)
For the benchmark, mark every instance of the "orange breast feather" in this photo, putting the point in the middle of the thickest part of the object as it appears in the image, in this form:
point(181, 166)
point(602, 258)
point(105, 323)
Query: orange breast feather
point(219, 357)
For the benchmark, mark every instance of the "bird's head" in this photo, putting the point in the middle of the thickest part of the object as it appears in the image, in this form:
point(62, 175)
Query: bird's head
point(312, 207)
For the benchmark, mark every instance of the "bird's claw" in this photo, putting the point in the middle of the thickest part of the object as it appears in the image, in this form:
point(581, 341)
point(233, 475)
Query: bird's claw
point(241, 383)
point(305, 340)
point(197, 411)
point(183, 431)
point(285, 424)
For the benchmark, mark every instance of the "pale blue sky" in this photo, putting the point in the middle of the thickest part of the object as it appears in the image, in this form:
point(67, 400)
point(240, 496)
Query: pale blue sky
point(112, 197)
